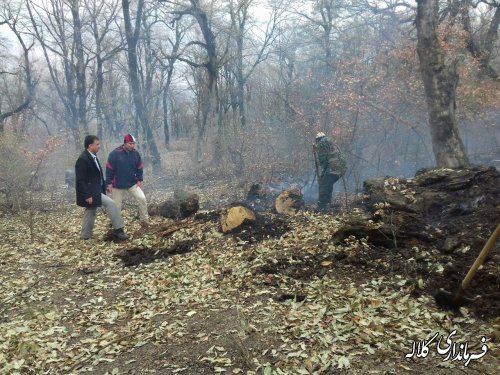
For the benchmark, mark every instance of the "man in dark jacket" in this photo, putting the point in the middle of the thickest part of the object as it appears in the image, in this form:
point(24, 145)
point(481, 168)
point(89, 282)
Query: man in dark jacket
point(124, 173)
point(332, 166)
point(90, 191)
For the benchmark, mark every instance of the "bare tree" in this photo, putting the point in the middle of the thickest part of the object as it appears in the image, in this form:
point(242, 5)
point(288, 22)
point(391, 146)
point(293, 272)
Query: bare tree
point(244, 65)
point(482, 51)
point(79, 67)
point(194, 8)
point(167, 56)
point(209, 62)
point(321, 21)
point(11, 19)
point(108, 43)
point(61, 38)
point(132, 33)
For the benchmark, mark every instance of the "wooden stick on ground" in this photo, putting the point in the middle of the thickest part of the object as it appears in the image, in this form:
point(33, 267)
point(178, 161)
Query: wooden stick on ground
point(165, 232)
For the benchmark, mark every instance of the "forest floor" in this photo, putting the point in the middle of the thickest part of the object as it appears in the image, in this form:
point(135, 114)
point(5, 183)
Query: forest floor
point(284, 296)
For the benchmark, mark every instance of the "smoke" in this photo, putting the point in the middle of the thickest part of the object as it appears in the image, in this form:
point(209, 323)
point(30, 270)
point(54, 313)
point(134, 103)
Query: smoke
point(310, 191)
point(306, 183)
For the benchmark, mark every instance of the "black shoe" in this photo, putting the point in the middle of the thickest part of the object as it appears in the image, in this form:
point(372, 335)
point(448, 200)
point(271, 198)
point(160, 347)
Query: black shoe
point(119, 235)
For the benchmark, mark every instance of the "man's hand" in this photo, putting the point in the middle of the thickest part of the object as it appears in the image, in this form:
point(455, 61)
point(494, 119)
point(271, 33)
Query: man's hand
point(109, 189)
point(89, 200)
point(139, 183)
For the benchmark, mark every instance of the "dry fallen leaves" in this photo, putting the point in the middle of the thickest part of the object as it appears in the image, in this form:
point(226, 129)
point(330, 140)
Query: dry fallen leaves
point(69, 306)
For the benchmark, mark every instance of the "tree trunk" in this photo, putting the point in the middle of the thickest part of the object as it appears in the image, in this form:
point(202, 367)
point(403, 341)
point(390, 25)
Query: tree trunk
point(99, 95)
point(202, 125)
point(240, 78)
point(440, 83)
point(81, 85)
point(165, 97)
point(209, 37)
point(241, 104)
point(166, 132)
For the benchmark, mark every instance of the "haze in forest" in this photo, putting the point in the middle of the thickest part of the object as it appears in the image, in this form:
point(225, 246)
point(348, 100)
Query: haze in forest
point(238, 88)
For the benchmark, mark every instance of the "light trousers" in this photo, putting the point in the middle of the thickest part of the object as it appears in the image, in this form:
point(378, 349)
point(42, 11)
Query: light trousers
point(90, 213)
point(139, 197)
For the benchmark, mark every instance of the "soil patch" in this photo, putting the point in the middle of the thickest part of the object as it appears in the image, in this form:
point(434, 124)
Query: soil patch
point(145, 255)
point(484, 288)
point(208, 216)
point(296, 266)
point(266, 226)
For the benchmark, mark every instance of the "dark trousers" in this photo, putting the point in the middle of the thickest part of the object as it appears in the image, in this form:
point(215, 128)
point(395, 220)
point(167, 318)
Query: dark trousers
point(326, 188)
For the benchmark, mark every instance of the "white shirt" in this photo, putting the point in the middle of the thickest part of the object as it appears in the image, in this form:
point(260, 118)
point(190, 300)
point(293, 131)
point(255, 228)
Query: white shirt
point(95, 160)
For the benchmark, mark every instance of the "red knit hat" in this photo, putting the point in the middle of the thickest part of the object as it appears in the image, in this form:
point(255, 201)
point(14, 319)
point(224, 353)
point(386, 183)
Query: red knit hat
point(129, 138)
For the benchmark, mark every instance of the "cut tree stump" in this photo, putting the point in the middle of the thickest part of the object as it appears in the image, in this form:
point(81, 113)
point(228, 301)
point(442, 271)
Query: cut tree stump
point(257, 191)
point(289, 202)
point(259, 198)
point(169, 209)
point(236, 216)
point(189, 203)
point(183, 205)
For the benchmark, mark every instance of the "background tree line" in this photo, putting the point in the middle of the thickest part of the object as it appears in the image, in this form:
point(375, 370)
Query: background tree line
point(399, 84)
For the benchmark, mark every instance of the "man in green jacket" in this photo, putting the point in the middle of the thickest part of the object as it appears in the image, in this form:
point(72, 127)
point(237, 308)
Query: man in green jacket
point(331, 166)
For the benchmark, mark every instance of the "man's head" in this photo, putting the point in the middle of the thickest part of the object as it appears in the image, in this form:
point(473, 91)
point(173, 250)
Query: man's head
point(129, 142)
point(320, 135)
point(92, 144)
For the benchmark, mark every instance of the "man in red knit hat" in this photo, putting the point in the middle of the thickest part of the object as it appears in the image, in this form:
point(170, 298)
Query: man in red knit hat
point(124, 172)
